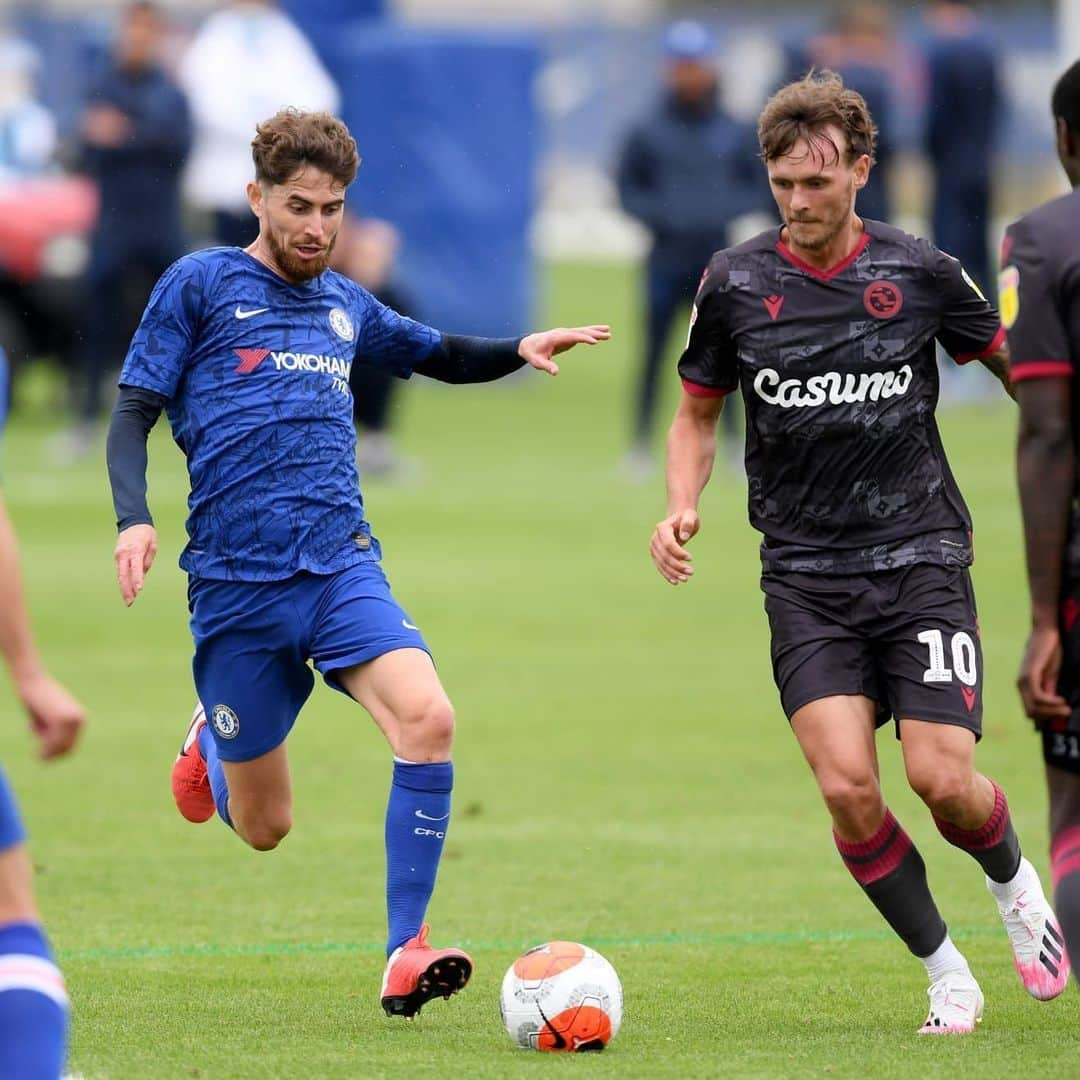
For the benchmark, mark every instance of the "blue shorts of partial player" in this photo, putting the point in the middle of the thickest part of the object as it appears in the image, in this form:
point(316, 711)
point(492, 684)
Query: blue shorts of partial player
point(254, 642)
point(12, 831)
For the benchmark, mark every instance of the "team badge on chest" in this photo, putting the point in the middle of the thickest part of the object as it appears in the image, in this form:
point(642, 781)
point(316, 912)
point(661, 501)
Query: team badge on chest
point(341, 324)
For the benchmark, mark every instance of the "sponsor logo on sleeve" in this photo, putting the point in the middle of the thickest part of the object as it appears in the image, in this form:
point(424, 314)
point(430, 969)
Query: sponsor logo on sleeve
point(1009, 295)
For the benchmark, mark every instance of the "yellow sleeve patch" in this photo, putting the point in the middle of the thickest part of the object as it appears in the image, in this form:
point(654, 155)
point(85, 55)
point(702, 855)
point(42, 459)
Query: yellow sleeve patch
point(1009, 295)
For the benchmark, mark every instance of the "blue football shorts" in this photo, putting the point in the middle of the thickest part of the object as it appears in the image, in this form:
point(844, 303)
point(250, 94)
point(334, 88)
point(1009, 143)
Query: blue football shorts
point(11, 826)
point(253, 642)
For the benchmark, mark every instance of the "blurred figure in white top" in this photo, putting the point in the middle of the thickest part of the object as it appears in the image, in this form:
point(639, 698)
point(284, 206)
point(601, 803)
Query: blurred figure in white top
point(246, 62)
point(27, 128)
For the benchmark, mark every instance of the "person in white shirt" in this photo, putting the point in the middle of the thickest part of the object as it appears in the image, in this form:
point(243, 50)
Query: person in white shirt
point(245, 62)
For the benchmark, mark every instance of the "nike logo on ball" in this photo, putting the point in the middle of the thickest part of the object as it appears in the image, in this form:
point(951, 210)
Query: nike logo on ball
point(241, 314)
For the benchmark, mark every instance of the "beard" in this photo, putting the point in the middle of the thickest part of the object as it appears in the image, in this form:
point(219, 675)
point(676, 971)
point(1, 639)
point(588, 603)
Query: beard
point(816, 241)
point(292, 266)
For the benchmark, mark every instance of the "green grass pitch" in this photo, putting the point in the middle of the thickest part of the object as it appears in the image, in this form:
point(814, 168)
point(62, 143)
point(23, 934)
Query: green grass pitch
point(625, 776)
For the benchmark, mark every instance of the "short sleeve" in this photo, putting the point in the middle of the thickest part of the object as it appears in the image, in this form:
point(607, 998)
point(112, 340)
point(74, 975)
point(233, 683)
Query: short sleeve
point(969, 327)
point(162, 344)
point(709, 366)
point(1038, 336)
point(390, 341)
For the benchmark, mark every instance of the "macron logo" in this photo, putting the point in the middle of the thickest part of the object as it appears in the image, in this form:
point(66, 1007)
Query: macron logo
point(250, 359)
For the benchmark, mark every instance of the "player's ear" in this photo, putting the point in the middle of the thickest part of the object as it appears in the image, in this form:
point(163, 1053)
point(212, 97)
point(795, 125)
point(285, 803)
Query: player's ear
point(255, 198)
point(862, 170)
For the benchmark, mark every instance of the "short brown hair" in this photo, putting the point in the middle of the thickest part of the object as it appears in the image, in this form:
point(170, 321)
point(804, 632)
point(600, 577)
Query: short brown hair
point(292, 138)
point(803, 109)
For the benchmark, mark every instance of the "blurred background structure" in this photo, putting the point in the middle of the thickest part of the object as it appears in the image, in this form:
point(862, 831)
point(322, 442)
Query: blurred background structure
point(491, 133)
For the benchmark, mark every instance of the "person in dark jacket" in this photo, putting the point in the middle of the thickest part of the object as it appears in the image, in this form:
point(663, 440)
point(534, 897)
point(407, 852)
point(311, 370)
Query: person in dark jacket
point(135, 136)
point(964, 112)
point(685, 172)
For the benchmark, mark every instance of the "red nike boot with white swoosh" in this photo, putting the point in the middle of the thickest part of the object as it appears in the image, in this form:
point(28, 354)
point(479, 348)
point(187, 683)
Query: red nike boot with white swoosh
point(190, 782)
point(416, 973)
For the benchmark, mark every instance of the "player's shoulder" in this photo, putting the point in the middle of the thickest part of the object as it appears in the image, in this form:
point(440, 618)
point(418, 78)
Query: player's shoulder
point(202, 264)
point(905, 245)
point(342, 288)
point(1052, 225)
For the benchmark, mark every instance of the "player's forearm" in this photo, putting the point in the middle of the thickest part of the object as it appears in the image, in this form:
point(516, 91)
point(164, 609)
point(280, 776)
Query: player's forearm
point(997, 363)
point(16, 638)
point(691, 450)
point(1046, 467)
point(458, 359)
point(133, 417)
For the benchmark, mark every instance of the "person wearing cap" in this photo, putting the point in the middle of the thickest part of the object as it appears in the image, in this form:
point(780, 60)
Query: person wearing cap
point(686, 170)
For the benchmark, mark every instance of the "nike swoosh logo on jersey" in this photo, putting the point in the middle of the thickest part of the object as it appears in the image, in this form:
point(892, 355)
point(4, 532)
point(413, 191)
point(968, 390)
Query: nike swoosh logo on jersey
point(408, 625)
point(241, 314)
point(428, 817)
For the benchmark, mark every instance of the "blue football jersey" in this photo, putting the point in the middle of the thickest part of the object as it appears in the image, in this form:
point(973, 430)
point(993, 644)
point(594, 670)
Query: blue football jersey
point(255, 371)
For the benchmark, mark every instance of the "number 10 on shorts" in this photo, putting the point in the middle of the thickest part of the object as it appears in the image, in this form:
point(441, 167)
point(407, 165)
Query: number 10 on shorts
point(963, 657)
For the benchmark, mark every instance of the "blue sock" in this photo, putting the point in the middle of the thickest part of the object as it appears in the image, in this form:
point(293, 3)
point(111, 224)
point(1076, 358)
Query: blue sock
point(33, 1005)
point(216, 773)
point(417, 817)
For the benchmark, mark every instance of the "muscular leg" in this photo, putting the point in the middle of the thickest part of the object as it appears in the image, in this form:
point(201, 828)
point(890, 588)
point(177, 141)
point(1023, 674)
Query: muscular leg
point(259, 798)
point(402, 692)
point(970, 810)
point(33, 999)
point(1064, 791)
point(837, 737)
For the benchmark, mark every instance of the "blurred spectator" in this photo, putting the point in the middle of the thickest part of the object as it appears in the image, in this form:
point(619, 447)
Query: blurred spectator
point(686, 171)
point(366, 251)
point(27, 128)
point(135, 136)
point(964, 112)
point(861, 48)
point(246, 62)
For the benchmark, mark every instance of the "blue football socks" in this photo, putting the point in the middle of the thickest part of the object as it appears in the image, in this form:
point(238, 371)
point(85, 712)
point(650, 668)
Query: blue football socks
point(216, 773)
point(33, 1005)
point(417, 817)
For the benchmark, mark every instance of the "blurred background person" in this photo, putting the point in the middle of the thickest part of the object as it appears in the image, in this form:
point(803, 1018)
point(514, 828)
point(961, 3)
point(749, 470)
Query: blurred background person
point(366, 251)
point(861, 47)
point(27, 127)
point(245, 62)
point(685, 172)
point(964, 116)
point(135, 134)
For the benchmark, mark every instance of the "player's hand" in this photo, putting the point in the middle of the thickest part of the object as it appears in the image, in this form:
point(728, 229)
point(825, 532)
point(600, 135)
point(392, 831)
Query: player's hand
point(1038, 677)
point(136, 547)
point(538, 349)
point(667, 545)
point(56, 718)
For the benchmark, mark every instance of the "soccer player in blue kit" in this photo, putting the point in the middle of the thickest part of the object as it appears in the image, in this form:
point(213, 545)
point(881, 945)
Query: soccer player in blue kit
point(33, 999)
point(249, 352)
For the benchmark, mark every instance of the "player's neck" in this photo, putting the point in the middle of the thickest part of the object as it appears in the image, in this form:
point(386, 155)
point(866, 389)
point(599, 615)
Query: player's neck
point(835, 251)
point(260, 254)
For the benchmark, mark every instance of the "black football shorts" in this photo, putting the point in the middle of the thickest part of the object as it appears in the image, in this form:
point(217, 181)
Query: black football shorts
point(1061, 741)
point(907, 638)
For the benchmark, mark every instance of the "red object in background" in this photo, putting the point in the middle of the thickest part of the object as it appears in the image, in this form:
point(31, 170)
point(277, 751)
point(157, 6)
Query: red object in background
point(38, 210)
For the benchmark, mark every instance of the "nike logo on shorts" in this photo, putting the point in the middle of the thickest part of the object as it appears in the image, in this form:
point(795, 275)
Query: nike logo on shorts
point(408, 625)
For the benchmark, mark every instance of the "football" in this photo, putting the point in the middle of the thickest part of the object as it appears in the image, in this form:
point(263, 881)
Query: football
point(561, 997)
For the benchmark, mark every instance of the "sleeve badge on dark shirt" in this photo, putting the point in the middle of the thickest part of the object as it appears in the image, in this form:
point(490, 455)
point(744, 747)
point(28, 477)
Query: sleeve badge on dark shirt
point(1009, 296)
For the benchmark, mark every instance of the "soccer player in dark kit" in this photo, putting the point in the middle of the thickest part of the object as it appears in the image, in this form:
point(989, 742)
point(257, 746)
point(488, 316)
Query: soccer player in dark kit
point(827, 326)
point(1040, 305)
point(249, 350)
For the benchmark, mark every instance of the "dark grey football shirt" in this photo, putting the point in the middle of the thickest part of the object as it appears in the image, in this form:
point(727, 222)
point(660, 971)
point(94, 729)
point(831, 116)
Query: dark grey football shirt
point(1040, 305)
point(837, 368)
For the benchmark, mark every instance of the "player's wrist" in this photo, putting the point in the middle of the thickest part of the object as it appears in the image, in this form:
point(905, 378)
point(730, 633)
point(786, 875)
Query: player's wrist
point(1044, 617)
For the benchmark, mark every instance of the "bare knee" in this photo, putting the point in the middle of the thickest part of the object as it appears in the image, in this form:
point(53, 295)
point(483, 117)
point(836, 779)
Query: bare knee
point(853, 799)
point(426, 730)
point(946, 789)
point(262, 829)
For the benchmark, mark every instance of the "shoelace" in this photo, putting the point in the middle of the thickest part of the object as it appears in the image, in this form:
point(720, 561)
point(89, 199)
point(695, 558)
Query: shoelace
point(948, 995)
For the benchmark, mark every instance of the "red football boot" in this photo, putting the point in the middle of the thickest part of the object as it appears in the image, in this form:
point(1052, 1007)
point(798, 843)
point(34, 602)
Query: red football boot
point(416, 973)
point(190, 783)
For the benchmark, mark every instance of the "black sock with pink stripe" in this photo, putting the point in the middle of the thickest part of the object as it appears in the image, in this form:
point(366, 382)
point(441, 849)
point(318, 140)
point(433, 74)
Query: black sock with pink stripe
point(1065, 866)
point(892, 873)
point(993, 845)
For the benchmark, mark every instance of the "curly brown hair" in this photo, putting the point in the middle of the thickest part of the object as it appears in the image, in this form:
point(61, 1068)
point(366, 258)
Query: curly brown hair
point(292, 138)
point(804, 109)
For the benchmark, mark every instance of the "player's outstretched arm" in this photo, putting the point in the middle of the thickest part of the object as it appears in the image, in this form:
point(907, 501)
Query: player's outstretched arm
point(1046, 469)
point(459, 359)
point(691, 450)
point(537, 350)
point(56, 718)
point(133, 417)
